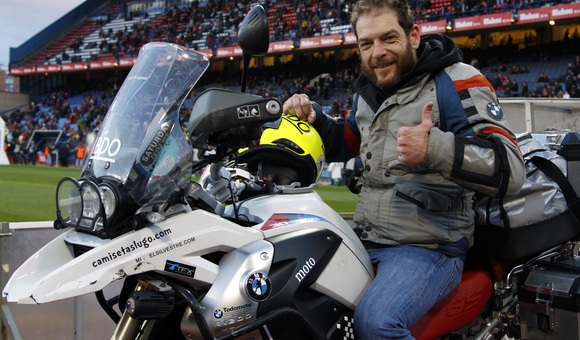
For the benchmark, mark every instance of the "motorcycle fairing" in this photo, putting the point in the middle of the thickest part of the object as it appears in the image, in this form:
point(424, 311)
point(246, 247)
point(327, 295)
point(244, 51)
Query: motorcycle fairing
point(340, 274)
point(289, 265)
point(300, 257)
point(294, 211)
point(54, 273)
point(304, 206)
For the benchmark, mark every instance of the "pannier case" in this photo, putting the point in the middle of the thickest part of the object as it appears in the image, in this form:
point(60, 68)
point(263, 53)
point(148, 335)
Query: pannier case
point(549, 296)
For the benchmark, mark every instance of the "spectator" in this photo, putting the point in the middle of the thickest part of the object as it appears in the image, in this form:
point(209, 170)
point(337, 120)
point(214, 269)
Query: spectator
point(16, 156)
point(514, 88)
point(335, 169)
point(352, 169)
point(29, 153)
point(80, 155)
point(543, 78)
point(525, 91)
point(48, 153)
point(63, 154)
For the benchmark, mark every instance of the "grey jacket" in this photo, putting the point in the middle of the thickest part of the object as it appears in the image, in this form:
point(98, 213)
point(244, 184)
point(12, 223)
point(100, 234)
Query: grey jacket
point(471, 150)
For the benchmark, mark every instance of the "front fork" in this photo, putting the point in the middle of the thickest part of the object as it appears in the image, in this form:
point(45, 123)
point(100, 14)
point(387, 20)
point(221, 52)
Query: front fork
point(128, 327)
point(155, 303)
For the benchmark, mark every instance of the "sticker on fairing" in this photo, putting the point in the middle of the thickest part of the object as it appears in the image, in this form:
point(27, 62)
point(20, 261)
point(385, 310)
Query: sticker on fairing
point(282, 220)
point(233, 314)
point(179, 268)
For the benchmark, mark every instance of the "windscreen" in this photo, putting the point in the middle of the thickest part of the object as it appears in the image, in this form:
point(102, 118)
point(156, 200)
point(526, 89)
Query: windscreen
point(141, 142)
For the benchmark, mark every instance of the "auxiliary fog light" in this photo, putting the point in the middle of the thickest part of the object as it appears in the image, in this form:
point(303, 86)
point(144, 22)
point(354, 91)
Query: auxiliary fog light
point(149, 305)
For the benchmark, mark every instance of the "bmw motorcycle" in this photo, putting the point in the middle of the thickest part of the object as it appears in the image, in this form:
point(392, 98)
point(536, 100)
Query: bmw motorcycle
point(249, 250)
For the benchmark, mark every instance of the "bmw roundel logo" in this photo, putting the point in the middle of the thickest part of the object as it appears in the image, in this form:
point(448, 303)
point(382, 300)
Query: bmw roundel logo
point(218, 313)
point(494, 111)
point(258, 286)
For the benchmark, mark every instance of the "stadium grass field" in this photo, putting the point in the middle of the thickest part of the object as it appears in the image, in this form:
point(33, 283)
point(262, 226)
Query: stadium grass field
point(28, 193)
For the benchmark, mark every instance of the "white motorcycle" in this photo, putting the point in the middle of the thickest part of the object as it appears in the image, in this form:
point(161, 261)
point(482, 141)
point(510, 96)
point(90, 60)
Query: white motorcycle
point(248, 251)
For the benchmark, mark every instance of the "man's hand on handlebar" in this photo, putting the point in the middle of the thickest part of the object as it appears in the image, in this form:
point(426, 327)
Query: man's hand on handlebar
point(299, 105)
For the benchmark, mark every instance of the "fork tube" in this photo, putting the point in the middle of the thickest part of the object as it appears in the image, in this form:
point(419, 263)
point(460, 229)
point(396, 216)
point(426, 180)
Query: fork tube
point(128, 327)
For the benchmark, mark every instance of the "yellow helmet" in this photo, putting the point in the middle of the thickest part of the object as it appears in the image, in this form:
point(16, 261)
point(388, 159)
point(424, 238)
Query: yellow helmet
point(290, 152)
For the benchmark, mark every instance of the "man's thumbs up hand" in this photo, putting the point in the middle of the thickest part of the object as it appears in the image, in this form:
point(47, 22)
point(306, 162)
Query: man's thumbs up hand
point(413, 140)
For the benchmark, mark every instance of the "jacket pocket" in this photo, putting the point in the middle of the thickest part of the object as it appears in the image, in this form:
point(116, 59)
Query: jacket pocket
point(423, 198)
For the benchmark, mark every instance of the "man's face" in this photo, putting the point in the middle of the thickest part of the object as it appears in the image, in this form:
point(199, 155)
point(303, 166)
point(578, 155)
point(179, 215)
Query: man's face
point(387, 53)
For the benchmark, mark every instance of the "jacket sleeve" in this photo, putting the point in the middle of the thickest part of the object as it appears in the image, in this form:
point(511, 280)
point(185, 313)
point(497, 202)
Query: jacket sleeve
point(473, 146)
point(340, 136)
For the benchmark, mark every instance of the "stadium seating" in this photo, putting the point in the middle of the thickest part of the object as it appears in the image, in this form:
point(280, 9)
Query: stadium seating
point(54, 52)
point(96, 39)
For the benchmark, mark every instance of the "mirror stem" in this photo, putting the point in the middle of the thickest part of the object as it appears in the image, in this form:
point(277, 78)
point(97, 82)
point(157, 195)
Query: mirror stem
point(246, 57)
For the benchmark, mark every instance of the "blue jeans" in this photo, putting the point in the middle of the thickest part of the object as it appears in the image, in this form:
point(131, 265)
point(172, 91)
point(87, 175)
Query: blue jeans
point(410, 280)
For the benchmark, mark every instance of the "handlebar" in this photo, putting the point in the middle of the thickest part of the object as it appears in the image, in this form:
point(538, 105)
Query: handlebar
point(221, 184)
point(228, 184)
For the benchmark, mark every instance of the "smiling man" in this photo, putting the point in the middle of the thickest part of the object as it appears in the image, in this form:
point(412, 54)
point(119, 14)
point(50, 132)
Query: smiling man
point(431, 136)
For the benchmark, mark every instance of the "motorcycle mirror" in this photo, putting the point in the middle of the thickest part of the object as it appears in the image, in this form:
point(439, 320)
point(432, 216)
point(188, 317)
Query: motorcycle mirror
point(254, 35)
point(253, 38)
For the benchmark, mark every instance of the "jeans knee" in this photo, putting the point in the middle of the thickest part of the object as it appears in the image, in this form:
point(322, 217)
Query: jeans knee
point(369, 324)
point(363, 326)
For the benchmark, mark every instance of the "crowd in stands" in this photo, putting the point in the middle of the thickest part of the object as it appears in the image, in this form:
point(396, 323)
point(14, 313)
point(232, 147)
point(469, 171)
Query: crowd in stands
point(328, 82)
point(212, 24)
point(549, 86)
point(215, 24)
point(54, 112)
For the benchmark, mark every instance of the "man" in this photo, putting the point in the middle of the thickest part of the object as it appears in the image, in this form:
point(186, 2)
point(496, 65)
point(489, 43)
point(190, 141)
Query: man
point(430, 134)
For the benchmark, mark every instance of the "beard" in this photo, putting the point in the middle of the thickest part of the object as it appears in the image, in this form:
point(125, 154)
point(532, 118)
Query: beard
point(404, 64)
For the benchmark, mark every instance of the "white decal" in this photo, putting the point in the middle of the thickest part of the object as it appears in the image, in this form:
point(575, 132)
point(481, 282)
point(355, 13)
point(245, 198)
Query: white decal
point(305, 269)
point(106, 149)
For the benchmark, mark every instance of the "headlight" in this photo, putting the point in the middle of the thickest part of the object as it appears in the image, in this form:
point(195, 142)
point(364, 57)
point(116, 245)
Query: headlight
point(84, 205)
point(109, 200)
point(68, 202)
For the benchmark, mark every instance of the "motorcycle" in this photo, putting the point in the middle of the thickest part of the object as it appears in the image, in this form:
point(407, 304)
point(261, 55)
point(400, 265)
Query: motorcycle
point(238, 253)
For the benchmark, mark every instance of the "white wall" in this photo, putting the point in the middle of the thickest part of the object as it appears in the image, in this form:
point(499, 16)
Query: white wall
point(540, 114)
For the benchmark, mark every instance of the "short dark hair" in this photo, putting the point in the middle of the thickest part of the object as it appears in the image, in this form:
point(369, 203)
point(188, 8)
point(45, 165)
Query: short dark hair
point(401, 7)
